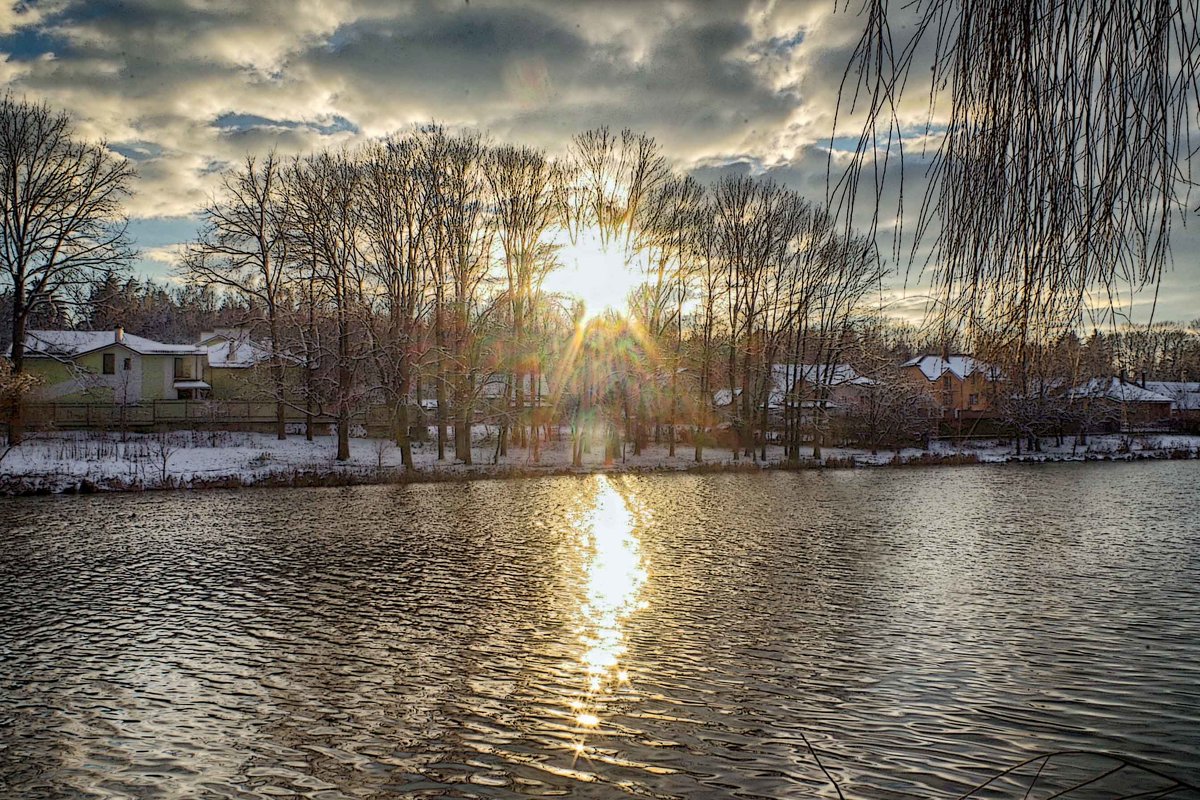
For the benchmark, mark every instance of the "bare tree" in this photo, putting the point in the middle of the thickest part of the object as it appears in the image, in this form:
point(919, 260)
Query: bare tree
point(1061, 146)
point(244, 246)
point(460, 254)
point(707, 326)
point(669, 231)
point(396, 224)
point(752, 220)
point(522, 183)
point(610, 176)
point(328, 235)
point(60, 216)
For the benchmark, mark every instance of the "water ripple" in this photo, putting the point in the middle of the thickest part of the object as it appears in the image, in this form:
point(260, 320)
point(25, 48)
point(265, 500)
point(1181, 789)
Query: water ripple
point(662, 637)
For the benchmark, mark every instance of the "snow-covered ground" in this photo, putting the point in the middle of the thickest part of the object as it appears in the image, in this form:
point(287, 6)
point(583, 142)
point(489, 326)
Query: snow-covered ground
point(69, 461)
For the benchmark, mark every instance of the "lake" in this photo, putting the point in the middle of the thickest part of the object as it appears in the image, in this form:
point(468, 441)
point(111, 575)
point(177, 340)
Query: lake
point(917, 630)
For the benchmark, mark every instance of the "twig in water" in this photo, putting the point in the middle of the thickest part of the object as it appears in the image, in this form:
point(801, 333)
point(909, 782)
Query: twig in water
point(817, 759)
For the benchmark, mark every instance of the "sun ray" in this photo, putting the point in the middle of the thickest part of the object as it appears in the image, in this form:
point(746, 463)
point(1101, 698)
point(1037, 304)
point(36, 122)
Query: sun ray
point(595, 269)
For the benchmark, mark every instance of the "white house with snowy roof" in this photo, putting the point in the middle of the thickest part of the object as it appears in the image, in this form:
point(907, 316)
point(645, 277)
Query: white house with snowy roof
point(111, 367)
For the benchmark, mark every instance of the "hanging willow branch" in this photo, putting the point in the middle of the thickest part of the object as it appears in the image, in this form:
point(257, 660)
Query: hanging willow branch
point(1061, 146)
point(1073, 774)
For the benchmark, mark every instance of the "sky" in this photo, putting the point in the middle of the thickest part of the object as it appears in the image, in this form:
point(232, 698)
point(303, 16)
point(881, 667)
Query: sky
point(186, 88)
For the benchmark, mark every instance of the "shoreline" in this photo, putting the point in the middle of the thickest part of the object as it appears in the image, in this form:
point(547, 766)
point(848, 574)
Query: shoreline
point(57, 482)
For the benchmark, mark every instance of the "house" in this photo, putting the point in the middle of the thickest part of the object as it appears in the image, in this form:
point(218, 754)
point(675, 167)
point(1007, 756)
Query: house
point(231, 359)
point(840, 384)
point(535, 389)
point(1185, 395)
point(959, 384)
point(1124, 403)
point(112, 367)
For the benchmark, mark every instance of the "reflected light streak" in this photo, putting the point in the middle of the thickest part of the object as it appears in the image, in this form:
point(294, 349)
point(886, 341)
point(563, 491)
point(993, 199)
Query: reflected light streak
point(614, 576)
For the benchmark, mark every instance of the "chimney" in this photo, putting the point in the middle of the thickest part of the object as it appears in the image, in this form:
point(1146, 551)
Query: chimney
point(119, 334)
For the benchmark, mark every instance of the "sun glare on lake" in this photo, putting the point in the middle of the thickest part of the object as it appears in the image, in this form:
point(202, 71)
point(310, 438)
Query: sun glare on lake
point(614, 576)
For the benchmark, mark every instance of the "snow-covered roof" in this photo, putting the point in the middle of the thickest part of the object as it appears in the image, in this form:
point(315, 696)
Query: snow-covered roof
point(1118, 391)
point(723, 397)
point(494, 386)
point(69, 344)
point(961, 366)
point(837, 374)
point(191, 385)
point(834, 375)
point(240, 353)
point(1185, 394)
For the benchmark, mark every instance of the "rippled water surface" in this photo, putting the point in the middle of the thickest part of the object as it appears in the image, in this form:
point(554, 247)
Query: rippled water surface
point(656, 636)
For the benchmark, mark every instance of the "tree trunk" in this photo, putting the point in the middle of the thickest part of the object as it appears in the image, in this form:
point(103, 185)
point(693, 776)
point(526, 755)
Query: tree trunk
point(402, 436)
point(278, 375)
point(535, 446)
point(343, 434)
point(345, 378)
point(16, 422)
point(465, 416)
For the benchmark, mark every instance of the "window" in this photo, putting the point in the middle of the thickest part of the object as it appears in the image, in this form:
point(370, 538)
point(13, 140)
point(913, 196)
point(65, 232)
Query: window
point(947, 383)
point(178, 368)
point(110, 364)
point(974, 400)
point(127, 364)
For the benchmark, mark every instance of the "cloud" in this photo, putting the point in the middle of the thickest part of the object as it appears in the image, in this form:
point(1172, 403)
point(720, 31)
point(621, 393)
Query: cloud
point(180, 87)
point(167, 255)
point(16, 15)
point(186, 89)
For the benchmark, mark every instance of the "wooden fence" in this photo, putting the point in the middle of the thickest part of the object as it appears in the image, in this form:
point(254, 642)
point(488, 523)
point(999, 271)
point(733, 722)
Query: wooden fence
point(175, 414)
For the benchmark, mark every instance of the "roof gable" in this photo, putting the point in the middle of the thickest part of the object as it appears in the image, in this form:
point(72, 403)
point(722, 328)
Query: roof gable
point(959, 365)
point(1117, 390)
point(72, 344)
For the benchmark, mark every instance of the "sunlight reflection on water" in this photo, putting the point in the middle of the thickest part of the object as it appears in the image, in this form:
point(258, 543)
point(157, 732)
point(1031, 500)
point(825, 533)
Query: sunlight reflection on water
point(614, 575)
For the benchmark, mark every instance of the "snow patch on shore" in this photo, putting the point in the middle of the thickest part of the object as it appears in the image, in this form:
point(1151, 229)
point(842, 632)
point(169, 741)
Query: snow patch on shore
point(66, 461)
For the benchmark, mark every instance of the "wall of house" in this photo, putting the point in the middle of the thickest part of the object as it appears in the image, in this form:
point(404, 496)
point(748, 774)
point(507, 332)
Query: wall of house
point(230, 383)
point(83, 380)
point(972, 394)
point(960, 394)
point(245, 383)
point(58, 382)
point(917, 378)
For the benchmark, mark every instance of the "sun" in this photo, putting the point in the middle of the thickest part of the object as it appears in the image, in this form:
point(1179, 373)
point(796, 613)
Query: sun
point(592, 271)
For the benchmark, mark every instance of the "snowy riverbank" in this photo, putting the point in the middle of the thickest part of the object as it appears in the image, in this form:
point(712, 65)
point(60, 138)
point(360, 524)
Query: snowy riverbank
point(74, 462)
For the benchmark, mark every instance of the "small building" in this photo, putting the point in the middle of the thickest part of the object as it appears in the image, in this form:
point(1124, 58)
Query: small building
point(958, 384)
point(1122, 403)
point(112, 367)
point(535, 390)
point(1185, 396)
point(231, 361)
point(834, 388)
point(841, 385)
